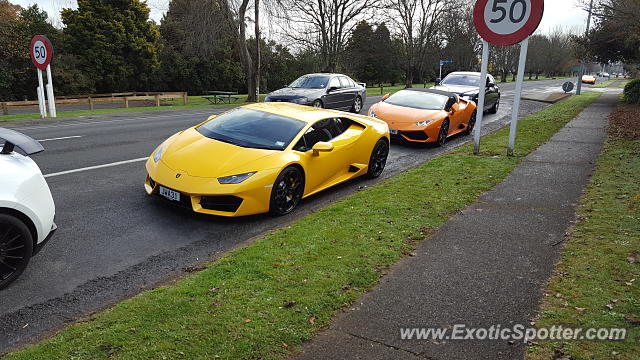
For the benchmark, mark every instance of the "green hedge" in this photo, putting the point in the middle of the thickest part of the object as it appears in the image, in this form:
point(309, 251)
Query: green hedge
point(632, 92)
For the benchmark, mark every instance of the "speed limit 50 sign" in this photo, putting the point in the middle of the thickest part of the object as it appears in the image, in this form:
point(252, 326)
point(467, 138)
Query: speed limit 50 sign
point(41, 51)
point(507, 22)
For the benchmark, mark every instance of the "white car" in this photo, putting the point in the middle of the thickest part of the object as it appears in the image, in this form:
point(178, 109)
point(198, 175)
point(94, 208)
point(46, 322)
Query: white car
point(26, 206)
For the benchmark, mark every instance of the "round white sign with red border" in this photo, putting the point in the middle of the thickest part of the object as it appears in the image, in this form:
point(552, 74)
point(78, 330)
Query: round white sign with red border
point(41, 51)
point(507, 22)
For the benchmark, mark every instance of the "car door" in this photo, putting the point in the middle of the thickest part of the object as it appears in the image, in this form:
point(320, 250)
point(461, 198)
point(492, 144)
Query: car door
point(323, 168)
point(348, 92)
point(333, 98)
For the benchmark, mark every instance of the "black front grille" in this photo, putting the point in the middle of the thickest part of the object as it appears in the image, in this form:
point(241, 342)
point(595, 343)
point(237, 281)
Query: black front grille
point(227, 203)
point(416, 135)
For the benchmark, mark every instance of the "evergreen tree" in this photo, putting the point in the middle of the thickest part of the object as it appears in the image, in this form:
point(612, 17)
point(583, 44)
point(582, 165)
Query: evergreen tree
point(114, 41)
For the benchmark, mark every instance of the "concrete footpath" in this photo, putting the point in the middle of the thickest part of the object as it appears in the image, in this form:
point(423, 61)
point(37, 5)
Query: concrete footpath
point(486, 266)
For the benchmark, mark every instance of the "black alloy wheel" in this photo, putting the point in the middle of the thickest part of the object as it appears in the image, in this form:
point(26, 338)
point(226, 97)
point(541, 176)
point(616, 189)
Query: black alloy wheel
point(472, 122)
point(287, 191)
point(357, 105)
point(16, 248)
point(378, 159)
point(444, 133)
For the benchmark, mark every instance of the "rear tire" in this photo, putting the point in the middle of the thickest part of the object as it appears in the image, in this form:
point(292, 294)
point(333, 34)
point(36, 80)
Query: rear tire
point(444, 133)
point(287, 191)
point(495, 107)
point(16, 248)
point(357, 105)
point(472, 122)
point(378, 159)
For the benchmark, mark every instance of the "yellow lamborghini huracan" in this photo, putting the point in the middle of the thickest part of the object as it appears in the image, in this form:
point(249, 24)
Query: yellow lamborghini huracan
point(265, 158)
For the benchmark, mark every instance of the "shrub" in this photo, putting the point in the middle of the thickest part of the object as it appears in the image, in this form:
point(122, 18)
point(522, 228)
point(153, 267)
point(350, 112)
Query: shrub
point(632, 92)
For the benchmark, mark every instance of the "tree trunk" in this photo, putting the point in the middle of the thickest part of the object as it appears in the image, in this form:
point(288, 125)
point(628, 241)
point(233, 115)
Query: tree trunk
point(240, 29)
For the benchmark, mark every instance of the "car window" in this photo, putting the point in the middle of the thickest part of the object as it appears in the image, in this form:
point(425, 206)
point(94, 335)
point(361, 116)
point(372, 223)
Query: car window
point(335, 83)
point(353, 83)
point(418, 100)
point(344, 82)
point(323, 130)
point(461, 79)
point(310, 82)
point(252, 129)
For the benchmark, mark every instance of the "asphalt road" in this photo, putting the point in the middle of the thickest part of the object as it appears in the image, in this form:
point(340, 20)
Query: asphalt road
point(114, 241)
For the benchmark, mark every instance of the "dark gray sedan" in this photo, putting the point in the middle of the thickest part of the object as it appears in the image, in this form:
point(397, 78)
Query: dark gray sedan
point(330, 91)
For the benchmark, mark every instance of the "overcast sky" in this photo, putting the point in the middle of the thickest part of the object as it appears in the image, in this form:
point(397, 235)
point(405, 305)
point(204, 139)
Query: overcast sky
point(564, 13)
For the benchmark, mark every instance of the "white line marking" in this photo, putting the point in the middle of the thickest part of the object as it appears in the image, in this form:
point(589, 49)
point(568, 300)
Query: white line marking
point(110, 121)
point(96, 167)
point(61, 138)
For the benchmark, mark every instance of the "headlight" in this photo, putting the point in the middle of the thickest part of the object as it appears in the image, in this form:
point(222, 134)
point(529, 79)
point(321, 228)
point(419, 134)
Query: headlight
point(158, 154)
point(235, 179)
point(302, 100)
point(424, 123)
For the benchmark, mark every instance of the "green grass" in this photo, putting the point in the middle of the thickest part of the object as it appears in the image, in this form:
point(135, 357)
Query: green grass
point(593, 286)
point(262, 300)
point(194, 102)
point(388, 89)
point(605, 84)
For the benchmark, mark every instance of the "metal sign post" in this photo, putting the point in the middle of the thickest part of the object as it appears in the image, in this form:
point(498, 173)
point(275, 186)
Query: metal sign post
point(524, 45)
point(503, 23)
point(443, 62)
point(481, 96)
point(41, 54)
point(41, 99)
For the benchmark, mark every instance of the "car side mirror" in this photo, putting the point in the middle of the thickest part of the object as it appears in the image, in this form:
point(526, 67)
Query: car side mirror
point(385, 97)
point(332, 88)
point(438, 81)
point(322, 146)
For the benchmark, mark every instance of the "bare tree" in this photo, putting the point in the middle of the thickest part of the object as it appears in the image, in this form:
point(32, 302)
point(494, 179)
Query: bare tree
point(323, 25)
point(419, 24)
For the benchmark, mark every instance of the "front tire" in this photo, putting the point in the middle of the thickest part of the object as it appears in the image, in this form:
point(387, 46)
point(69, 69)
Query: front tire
point(444, 133)
point(495, 107)
point(16, 248)
point(287, 191)
point(357, 105)
point(378, 159)
point(318, 104)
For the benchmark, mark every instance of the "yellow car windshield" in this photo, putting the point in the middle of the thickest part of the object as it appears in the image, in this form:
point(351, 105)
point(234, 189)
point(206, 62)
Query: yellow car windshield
point(252, 129)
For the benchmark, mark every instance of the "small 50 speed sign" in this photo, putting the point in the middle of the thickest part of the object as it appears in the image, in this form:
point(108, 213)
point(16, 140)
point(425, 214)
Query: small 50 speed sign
point(507, 22)
point(41, 52)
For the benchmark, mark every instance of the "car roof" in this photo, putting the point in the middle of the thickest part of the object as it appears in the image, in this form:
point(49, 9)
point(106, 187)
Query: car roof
point(448, 94)
point(465, 73)
point(304, 113)
point(324, 74)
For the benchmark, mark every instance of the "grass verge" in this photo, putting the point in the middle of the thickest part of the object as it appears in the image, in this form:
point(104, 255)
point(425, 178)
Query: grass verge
point(263, 299)
point(605, 84)
point(194, 102)
point(596, 283)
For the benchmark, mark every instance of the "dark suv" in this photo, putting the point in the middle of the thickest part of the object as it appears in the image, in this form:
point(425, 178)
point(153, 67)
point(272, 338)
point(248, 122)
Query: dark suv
point(330, 91)
point(467, 86)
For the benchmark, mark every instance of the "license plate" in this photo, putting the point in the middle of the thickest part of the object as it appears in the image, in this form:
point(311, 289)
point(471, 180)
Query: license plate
point(394, 131)
point(169, 194)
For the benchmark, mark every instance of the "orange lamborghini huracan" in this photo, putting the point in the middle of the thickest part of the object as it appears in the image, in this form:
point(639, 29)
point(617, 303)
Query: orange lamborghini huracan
point(425, 115)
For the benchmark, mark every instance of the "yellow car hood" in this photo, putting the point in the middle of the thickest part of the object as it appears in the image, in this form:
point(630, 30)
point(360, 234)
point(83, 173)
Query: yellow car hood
point(201, 156)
